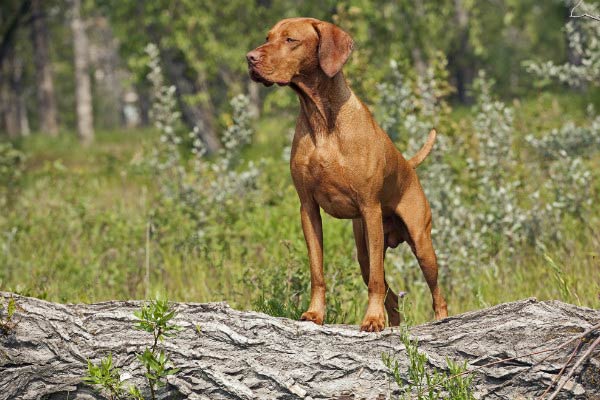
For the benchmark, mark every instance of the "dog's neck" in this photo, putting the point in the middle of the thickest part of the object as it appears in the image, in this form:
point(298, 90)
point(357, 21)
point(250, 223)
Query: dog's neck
point(321, 98)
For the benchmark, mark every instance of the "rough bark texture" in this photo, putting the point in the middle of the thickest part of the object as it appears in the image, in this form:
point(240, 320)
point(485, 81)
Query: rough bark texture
point(43, 70)
point(248, 355)
point(83, 87)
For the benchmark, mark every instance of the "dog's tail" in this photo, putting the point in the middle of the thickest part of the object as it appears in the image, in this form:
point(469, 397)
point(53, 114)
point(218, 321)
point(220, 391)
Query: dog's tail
point(424, 151)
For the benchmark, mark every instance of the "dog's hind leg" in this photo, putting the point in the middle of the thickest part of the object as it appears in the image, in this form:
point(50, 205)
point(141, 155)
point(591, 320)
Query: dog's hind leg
point(414, 211)
point(362, 254)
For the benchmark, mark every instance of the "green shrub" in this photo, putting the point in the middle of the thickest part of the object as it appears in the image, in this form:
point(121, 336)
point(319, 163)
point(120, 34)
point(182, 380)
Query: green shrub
point(153, 317)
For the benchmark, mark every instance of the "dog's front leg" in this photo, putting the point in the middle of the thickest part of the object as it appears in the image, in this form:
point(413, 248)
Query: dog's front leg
point(374, 320)
point(313, 234)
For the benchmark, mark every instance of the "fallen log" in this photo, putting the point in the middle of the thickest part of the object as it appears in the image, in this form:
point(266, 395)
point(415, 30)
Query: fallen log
point(223, 353)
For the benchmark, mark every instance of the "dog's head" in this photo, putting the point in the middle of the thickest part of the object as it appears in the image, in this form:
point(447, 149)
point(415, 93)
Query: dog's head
point(296, 47)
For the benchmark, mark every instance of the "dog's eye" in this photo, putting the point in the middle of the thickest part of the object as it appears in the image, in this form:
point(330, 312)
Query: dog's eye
point(290, 40)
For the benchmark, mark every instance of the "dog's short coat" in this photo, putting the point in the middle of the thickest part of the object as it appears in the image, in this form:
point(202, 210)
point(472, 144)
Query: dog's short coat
point(344, 163)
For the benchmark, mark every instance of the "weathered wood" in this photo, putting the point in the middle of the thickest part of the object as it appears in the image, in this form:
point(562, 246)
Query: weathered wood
point(248, 355)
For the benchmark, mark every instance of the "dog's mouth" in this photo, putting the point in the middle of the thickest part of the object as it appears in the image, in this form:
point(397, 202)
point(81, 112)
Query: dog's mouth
point(258, 77)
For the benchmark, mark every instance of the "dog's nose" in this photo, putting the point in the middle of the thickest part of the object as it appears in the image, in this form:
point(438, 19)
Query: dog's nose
point(253, 57)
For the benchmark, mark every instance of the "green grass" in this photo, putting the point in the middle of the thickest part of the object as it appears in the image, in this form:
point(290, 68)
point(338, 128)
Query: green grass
point(77, 231)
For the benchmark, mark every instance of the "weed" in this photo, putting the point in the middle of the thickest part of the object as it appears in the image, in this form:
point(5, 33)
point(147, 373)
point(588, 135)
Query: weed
point(107, 376)
point(153, 317)
point(563, 284)
point(7, 322)
point(424, 383)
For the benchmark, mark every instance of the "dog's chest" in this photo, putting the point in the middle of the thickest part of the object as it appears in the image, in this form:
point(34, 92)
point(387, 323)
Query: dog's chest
point(325, 175)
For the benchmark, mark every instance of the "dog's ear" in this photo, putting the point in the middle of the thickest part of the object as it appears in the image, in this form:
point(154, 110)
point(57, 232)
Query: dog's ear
point(335, 47)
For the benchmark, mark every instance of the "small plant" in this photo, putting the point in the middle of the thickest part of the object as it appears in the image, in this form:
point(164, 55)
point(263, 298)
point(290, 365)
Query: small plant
point(107, 376)
point(155, 318)
point(423, 383)
point(7, 323)
point(457, 384)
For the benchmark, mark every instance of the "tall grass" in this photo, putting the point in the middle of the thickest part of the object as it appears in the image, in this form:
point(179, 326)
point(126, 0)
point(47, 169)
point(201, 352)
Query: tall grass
point(148, 211)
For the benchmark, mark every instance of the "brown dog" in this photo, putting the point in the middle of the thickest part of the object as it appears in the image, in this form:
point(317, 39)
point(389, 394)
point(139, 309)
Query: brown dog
point(344, 163)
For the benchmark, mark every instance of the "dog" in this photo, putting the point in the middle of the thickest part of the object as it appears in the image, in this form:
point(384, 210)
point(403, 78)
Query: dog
point(344, 163)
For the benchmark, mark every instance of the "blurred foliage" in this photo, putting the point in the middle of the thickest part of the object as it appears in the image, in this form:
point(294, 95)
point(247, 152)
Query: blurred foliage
point(583, 36)
point(210, 40)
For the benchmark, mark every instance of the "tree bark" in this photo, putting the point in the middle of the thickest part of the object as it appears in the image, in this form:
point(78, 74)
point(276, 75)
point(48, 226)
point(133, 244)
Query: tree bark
point(46, 99)
point(227, 354)
point(83, 90)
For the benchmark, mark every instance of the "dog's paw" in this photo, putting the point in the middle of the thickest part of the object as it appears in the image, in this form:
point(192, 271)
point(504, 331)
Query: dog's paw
point(373, 323)
point(312, 316)
point(441, 314)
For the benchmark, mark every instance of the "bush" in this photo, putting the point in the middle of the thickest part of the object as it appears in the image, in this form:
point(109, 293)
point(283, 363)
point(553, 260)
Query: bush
point(483, 212)
point(196, 194)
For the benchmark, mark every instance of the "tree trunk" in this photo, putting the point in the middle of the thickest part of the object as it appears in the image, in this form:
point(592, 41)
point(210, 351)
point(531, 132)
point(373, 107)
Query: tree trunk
point(19, 96)
point(458, 59)
point(419, 62)
point(105, 63)
point(7, 39)
point(43, 70)
point(13, 104)
point(10, 118)
point(201, 115)
point(83, 90)
point(227, 354)
point(144, 104)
